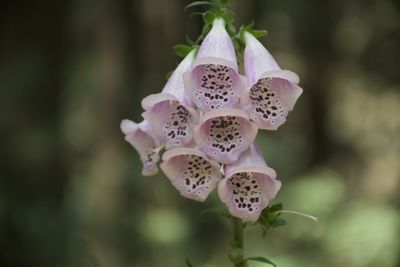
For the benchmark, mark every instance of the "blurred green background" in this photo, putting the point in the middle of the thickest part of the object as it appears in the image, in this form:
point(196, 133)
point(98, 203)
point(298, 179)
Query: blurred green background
point(71, 193)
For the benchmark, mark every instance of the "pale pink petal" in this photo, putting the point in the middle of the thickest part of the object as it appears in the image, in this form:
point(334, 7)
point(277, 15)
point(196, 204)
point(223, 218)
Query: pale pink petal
point(269, 101)
point(249, 185)
point(214, 81)
point(174, 89)
point(272, 92)
point(257, 59)
point(191, 172)
point(140, 136)
point(224, 134)
point(217, 45)
point(172, 122)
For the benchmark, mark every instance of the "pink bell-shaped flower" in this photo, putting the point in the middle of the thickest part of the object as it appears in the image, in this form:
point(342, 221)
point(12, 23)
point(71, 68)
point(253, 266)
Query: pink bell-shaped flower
point(249, 185)
point(214, 81)
point(140, 136)
point(191, 172)
point(272, 92)
point(169, 113)
point(224, 134)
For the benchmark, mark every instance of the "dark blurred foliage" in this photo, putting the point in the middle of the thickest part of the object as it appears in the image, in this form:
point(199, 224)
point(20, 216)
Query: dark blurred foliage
point(71, 193)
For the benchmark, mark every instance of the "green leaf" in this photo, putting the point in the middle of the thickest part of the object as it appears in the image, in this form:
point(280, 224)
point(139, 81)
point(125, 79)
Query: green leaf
point(301, 214)
point(199, 3)
point(182, 50)
point(228, 16)
point(236, 255)
point(188, 263)
point(276, 207)
point(277, 222)
point(206, 29)
point(208, 17)
point(250, 25)
point(231, 29)
point(190, 41)
point(262, 259)
point(259, 33)
point(270, 217)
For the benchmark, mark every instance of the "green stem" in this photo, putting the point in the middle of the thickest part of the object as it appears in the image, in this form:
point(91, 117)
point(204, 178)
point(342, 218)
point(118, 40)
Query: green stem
point(238, 230)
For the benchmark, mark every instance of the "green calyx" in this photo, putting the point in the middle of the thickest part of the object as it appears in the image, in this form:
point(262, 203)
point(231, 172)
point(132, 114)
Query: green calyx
point(182, 50)
point(249, 29)
point(217, 9)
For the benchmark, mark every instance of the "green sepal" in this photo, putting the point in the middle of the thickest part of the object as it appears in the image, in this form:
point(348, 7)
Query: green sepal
point(209, 17)
point(228, 16)
point(181, 50)
point(206, 29)
point(230, 28)
point(259, 33)
point(261, 259)
point(236, 255)
point(249, 28)
point(190, 41)
point(276, 207)
point(269, 217)
point(278, 222)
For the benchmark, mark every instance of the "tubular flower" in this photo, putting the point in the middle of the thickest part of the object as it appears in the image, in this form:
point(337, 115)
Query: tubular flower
point(249, 185)
point(272, 92)
point(191, 172)
point(214, 81)
point(224, 134)
point(140, 136)
point(169, 112)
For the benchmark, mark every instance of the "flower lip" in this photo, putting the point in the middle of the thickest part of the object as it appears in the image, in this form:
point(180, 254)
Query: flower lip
point(191, 172)
point(179, 151)
point(141, 137)
point(171, 121)
point(127, 126)
point(282, 74)
point(149, 101)
point(216, 61)
point(249, 185)
point(224, 134)
point(224, 112)
point(255, 169)
point(233, 191)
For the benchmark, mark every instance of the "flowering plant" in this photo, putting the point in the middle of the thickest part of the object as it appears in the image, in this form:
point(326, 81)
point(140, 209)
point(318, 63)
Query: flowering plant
point(206, 118)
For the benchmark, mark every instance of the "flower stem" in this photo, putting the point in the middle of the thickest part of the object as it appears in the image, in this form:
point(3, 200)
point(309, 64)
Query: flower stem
point(238, 230)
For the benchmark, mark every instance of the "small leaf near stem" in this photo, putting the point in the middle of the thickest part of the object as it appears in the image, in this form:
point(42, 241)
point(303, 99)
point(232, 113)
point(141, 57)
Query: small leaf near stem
point(301, 214)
